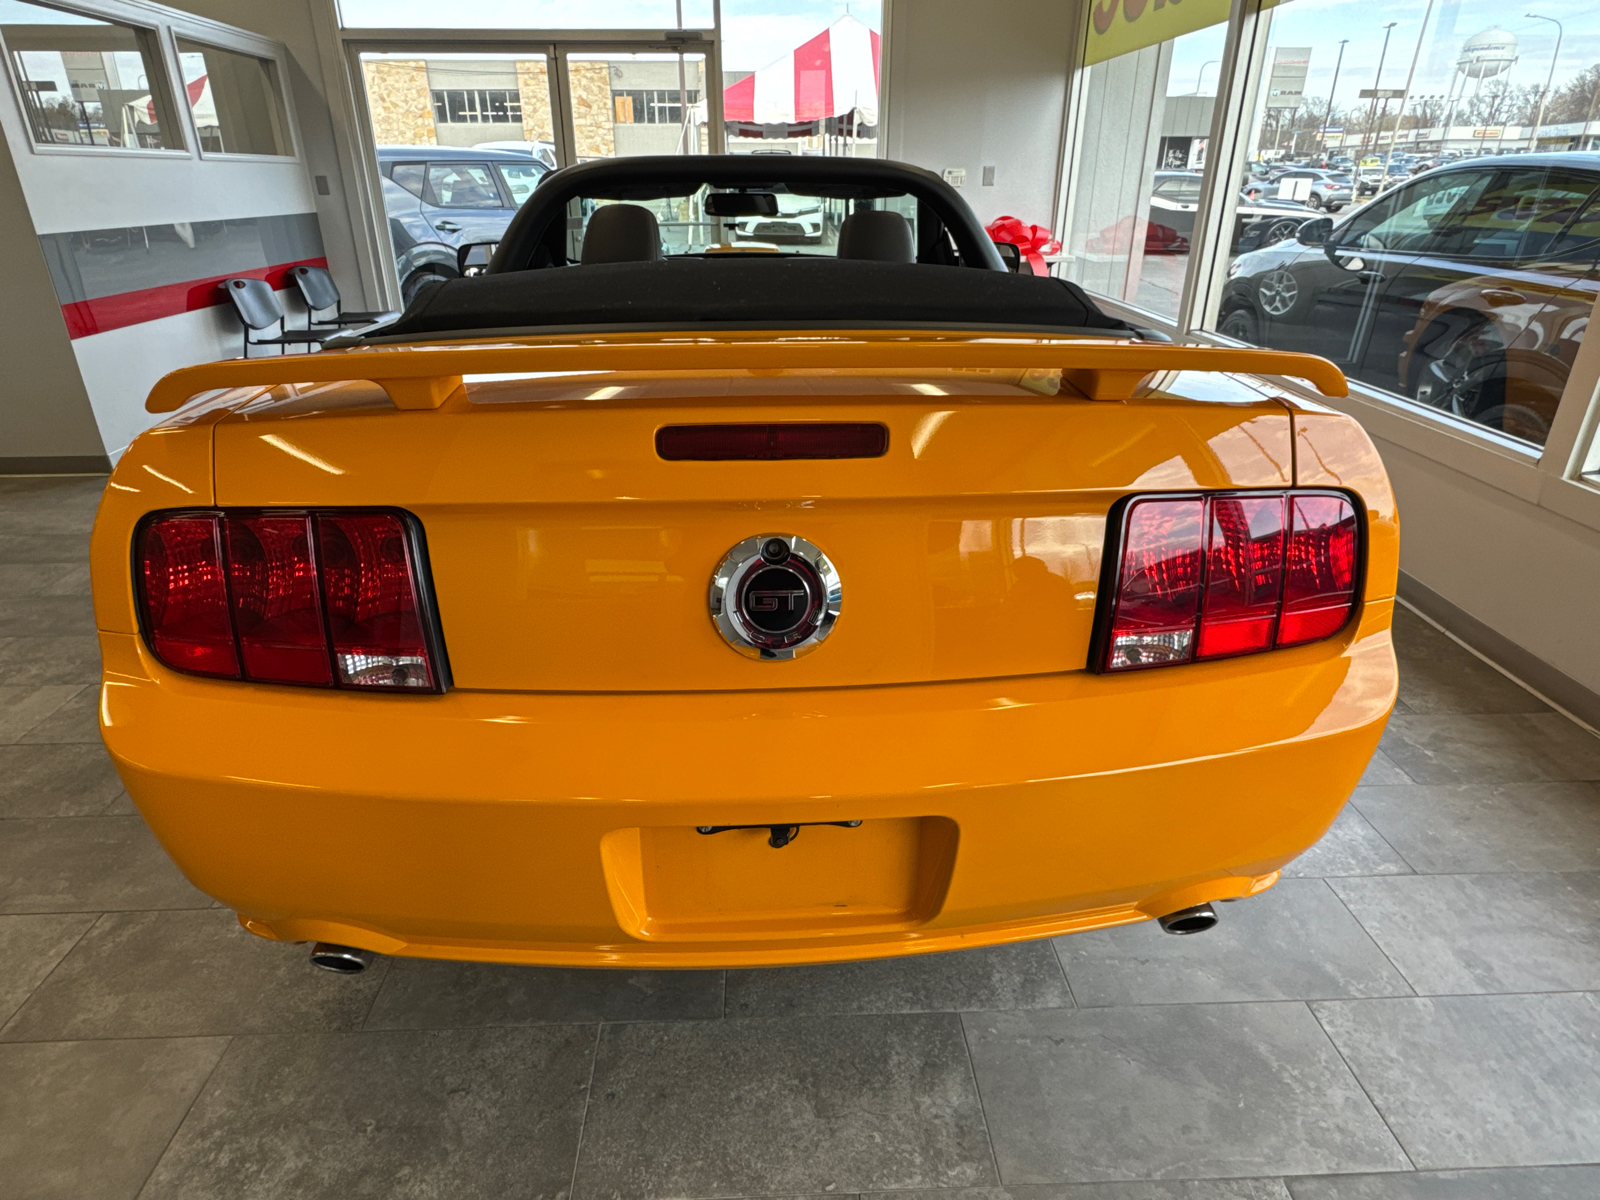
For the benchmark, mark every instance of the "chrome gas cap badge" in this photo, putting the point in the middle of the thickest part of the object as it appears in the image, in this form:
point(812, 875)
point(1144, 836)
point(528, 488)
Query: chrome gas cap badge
point(775, 596)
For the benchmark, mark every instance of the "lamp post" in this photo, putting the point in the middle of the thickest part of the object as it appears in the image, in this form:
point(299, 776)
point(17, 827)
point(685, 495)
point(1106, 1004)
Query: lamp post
point(1328, 116)
point(1199, 80)
point(1406, 95)
point(1533, 141)
point(1377, 81)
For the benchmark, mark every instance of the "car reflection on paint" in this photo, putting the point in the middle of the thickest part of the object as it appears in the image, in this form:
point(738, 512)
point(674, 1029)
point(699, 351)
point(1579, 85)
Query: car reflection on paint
point(1467, 288)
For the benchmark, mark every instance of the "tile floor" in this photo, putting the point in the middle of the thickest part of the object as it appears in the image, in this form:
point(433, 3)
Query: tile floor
point(1412, 1014)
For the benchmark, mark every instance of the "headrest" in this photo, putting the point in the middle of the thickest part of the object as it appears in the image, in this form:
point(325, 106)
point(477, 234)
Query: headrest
point(878, 235)
point(619, 233)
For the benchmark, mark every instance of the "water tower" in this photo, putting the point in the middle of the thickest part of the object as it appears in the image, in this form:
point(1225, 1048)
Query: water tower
point(1483, 56)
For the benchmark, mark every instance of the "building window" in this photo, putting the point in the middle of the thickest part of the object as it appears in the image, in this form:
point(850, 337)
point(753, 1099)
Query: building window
point(86, 81)
point(477, 106)
point(651, 106)
point(235, 100)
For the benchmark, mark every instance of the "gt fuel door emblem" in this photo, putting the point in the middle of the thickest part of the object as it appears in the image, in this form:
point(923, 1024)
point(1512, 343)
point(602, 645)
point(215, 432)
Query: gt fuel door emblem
point(775, 596)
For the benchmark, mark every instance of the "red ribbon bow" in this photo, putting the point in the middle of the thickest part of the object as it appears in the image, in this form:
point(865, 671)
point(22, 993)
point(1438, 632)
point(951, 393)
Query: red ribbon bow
point(1031, 240)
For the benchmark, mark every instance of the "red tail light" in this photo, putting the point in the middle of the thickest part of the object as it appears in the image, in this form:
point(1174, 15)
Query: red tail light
point(767, 442)
point(1209, 576)
point(332, 598)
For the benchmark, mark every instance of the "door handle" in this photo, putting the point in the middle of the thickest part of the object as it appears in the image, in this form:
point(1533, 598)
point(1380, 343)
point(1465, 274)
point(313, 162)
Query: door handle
point(447, 226)
point(1371, 276)
point(1500, 297)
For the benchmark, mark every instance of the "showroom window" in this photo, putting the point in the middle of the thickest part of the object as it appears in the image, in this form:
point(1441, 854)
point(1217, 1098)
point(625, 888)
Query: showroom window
point(1147, 92)
point(235, 100)
point(1446, 275)
point(85, 81)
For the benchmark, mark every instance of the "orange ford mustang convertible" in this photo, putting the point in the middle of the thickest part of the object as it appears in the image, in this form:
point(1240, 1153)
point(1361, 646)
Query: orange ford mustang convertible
point(659, 599)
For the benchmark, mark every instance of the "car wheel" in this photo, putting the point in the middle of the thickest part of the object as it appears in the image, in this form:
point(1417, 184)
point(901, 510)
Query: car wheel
point(1314, 201)
point(416, 281)
point(1468, 379)
point(1280, 295)
point(1280, 230)
point(1517, 420)
point(1241, 325)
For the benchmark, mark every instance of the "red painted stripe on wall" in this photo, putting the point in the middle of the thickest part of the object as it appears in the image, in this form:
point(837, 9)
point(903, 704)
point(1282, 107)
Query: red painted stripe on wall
point(85, 317)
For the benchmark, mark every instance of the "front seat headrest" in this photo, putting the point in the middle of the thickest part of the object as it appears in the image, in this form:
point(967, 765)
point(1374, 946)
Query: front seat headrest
point(878, 235)
point(619, 233)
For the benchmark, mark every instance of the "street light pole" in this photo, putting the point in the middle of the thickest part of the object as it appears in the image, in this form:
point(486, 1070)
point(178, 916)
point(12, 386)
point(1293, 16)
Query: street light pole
point(1377, 82)
point(1406, 95)
point(1199, 80)
point(1533, 142)
point(1339, 62)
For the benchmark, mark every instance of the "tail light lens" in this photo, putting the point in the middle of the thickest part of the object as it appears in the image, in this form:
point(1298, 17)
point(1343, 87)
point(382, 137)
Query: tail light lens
point(328, 598)
point(1211, 576)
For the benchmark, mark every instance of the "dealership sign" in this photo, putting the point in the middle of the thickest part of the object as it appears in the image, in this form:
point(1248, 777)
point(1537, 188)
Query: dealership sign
point(1123, 26)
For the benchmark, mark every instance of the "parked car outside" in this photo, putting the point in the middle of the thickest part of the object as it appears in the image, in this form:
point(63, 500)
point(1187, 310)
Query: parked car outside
point(438, 198)
point(1467, 289)
point(545, 152)
point(799, 219)
point(1331, 190)
point(1261, 219)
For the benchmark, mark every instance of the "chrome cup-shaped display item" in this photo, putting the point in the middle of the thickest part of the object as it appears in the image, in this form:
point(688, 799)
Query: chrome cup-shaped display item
point(775, 596)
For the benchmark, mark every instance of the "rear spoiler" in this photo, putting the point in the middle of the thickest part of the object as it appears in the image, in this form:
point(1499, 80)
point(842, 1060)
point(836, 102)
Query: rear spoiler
point(423, 377)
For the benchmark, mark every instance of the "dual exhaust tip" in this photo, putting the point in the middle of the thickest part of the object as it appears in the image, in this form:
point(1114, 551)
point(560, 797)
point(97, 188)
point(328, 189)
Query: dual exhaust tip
point(348, 960)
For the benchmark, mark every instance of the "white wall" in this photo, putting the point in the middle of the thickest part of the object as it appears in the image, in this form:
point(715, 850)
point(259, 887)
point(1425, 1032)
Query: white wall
point(971, 86)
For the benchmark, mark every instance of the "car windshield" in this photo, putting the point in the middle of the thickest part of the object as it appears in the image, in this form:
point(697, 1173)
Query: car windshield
point(520, 179)
point(802, 225)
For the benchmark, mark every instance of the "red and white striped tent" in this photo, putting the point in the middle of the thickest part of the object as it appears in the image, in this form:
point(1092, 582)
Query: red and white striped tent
point(831, 75)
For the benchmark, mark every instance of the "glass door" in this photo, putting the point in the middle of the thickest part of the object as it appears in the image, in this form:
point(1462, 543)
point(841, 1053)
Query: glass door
point(627, 102)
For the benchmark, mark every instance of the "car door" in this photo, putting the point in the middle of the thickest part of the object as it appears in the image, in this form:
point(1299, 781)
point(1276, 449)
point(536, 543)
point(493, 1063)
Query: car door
point(1173, 202)
point(464, 204)
point(1355, 313)
point(1485, 274)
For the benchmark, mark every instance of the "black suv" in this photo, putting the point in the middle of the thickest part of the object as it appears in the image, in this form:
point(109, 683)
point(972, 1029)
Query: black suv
point(1467, 288)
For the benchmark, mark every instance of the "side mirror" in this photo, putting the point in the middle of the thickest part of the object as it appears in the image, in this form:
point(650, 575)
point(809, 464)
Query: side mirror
point(473, 257)
point(1011, 256)
point(1315, 232)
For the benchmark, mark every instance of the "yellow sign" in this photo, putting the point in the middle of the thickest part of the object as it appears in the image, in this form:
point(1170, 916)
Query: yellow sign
point(1123, 26)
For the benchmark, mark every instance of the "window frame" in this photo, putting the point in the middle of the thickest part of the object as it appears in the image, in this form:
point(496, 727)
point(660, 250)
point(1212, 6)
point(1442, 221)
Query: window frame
point(153, 30)
point(277, 77)
point(1550, 476)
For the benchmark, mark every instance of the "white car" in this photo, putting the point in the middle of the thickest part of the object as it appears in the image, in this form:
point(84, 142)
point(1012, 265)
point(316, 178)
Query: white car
point(545, 152)
point(799, 219)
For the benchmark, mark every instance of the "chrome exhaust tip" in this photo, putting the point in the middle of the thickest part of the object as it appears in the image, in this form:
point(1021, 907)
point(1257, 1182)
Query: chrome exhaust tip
point(342, 960)
point(1189, 920)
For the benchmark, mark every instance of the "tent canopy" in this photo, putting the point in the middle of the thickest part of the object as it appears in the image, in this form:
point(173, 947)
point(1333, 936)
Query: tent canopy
point(829, 76)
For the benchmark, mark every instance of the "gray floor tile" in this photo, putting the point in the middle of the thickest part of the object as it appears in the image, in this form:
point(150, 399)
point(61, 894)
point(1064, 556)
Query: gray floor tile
point(45, 547)
point(1177, 1189)
point(1217, 1091)
point(22, 708)
point(1477, 827)
point(1515, 1183)
point(32, 661)
point(46, 616)
point(88, 864)
point(1439, 676)
point(422, 994)
point(56, 781)
point(121, 806)
point(1021, 975)
point(802, 1104)
point(30, 947)
point(78, 720)
point(1463, 934)
point(1350, 847)
point(82, 1120)
point(414, 1115)
point(187, 974)
point(49, 505)
point(43, 579)
point(1478, 1081)
point(1382, 770)
point(1510, 748)
point(1293, 942)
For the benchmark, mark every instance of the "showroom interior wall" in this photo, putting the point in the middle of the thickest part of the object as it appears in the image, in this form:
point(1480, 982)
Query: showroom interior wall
point(107, 332)
point(970, 91)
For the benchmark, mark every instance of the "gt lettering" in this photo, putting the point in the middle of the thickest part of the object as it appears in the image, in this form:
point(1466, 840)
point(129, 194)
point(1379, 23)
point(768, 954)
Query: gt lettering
point(768, 601)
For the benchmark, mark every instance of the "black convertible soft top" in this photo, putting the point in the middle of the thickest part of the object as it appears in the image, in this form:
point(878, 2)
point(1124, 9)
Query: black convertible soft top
point(749, 292)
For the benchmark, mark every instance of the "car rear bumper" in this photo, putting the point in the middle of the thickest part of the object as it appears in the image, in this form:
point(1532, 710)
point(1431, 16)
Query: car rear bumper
point(561, 828)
